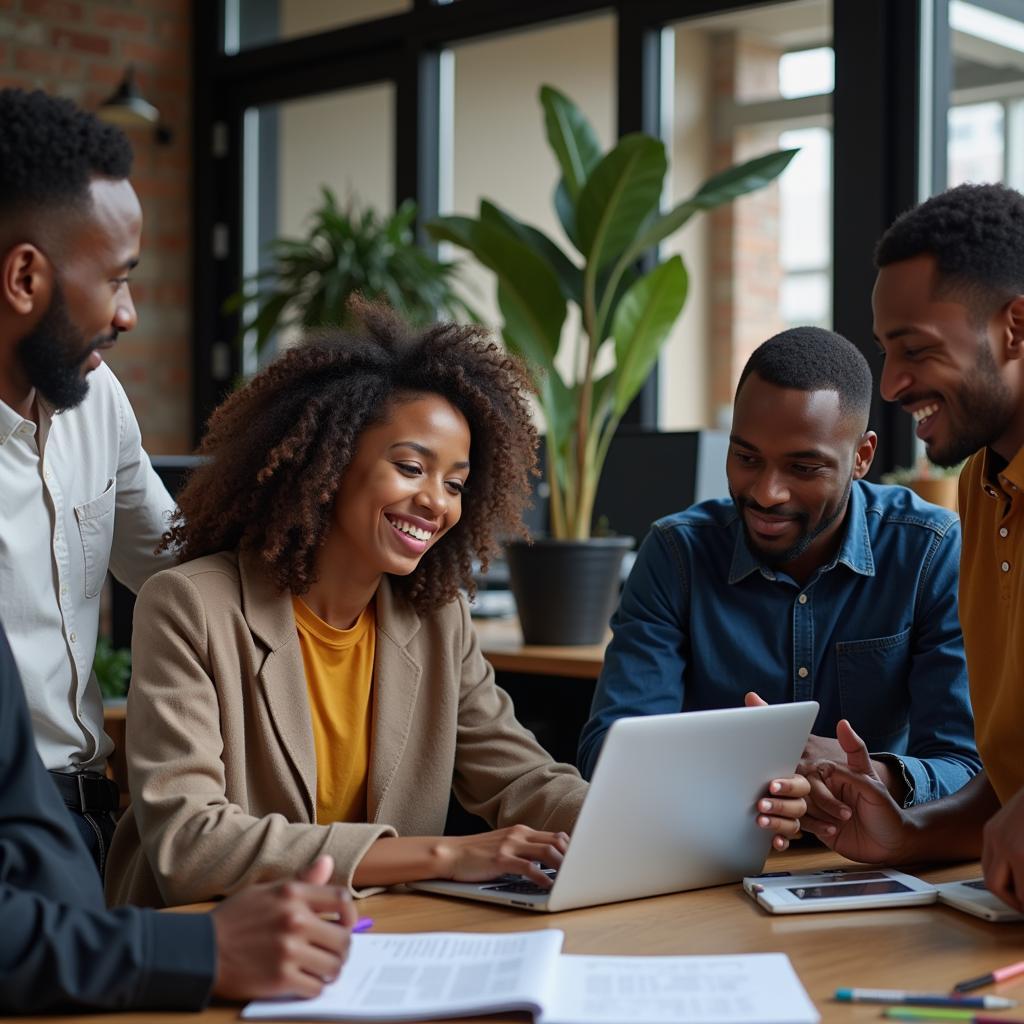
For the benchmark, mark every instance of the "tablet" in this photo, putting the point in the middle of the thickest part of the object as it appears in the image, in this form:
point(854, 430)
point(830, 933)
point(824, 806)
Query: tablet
point(971, 896)
point(856, 889)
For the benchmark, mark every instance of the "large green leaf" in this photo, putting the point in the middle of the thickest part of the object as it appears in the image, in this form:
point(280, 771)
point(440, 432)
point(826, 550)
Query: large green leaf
point(717, 190)
point(641, 324)
point(565, 207)
point(528, 290)
point(620, 194)
point(571, 137)
point(570, 277)
point(558, 402)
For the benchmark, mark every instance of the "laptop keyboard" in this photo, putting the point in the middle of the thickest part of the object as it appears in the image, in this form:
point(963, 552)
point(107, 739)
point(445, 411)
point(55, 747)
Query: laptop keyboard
point(520, 885)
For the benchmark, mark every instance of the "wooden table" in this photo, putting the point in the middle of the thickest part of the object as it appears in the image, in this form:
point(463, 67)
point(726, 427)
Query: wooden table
point(923, 948)
point(502, 644)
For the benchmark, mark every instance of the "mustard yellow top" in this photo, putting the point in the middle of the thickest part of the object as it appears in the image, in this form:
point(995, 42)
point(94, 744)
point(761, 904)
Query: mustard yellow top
point(339, 680)
point(992, 612)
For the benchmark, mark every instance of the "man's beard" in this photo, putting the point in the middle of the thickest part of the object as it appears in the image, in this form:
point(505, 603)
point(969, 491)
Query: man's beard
point(51, 356)
point(985, 411)
point(804, 540)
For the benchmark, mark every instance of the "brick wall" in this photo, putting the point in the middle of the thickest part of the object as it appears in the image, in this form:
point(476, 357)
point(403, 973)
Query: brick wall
point(80, 49)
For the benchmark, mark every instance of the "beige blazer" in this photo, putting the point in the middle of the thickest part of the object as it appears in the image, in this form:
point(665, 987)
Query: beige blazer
point(221, 763)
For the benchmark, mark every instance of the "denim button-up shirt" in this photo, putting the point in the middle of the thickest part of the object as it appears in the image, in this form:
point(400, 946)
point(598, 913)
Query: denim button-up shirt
point(873, 636)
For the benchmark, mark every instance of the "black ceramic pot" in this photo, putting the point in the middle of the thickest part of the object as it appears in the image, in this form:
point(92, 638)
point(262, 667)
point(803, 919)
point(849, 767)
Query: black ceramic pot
point(566, 590)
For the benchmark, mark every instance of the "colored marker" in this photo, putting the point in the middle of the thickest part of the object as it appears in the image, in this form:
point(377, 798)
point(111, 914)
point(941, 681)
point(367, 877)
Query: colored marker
point(918, 1013)
point(888, 995)
point(1000, 974)
point(364, 924)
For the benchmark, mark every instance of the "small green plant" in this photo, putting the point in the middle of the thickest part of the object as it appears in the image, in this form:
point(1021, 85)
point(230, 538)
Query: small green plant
point(113, 668)
point(923, 469)
point(348, 250)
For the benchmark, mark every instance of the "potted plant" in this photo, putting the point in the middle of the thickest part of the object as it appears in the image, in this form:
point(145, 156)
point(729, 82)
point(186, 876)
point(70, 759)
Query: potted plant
point(347, 250)
point(937, 484)
point(608, 205)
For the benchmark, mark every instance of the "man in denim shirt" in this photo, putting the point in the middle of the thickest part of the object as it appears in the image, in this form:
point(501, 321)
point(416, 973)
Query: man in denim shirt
point(809, 584)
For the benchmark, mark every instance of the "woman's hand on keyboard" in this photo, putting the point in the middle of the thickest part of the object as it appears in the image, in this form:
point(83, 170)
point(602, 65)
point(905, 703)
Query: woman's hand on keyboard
point(513, 851)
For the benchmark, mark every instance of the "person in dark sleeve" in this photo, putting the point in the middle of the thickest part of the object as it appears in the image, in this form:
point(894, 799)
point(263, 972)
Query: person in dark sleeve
point(61, 949)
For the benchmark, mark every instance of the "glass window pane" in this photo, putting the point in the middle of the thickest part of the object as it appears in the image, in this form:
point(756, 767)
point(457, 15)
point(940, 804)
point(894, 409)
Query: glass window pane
point(805, 193)
point(498, 147)
point(249, 23)
point(976, 143)
point(807, 72)
point(294, 150)
point(746, 83)
point(806, 299)
point(985, 127)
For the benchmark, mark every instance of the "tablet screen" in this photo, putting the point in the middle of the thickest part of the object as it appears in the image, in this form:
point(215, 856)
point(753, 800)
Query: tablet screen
point(857, 876)
point(834, 891)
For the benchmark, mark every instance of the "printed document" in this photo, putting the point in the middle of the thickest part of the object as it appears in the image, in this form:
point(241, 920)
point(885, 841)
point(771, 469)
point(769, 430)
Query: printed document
point(451, 974)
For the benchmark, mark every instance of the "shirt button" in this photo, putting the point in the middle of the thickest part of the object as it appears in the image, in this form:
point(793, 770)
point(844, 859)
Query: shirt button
point(74, 639)
point(802, 599)
point(802, 672)
point(1003, 531)
point(1005, 567)
point(63, 590)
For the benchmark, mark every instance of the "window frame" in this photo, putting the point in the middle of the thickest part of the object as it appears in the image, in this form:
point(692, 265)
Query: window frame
point(882, 59)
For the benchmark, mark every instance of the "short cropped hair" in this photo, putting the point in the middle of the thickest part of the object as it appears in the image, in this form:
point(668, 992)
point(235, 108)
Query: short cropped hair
point(813, 359)
point(50, 149)
point(976, 235)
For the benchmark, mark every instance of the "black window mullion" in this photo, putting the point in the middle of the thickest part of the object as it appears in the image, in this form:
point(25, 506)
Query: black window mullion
point(876, 106)
point(417, 136)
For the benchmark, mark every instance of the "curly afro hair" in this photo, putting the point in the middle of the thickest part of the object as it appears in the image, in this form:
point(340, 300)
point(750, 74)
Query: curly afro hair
point(975, 233)
point(50, 148)
point(813, 359)
point(277, 449)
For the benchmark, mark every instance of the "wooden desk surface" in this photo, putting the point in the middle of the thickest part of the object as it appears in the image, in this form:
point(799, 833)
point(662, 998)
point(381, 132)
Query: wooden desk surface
point(502, 644)
point(924, 948)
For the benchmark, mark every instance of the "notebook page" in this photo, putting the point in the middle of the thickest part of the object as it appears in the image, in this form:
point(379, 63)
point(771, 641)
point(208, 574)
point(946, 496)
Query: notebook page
point(429, 974)
point(756, 989)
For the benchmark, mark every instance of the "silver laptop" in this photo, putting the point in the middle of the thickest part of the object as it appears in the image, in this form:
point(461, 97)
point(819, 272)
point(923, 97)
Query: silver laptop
point(671, 807)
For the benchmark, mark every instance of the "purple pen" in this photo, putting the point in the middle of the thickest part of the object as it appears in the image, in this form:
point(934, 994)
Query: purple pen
point(364, 924)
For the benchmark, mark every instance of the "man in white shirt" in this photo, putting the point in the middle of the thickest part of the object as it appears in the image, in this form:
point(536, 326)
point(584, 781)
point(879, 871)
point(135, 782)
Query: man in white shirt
point(77, 492)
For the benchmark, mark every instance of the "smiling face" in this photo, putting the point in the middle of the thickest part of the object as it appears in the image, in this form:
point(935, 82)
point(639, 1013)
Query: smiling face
point(402, 491)
point(90, 302)
point(792, 458)
point(943, 367)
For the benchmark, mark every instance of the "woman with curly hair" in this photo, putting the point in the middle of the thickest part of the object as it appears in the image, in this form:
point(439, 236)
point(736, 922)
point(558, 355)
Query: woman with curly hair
point(308, 681)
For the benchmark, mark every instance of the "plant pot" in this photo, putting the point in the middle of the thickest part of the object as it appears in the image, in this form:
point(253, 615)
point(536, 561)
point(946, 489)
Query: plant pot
point(939, 490)
point(566, 590)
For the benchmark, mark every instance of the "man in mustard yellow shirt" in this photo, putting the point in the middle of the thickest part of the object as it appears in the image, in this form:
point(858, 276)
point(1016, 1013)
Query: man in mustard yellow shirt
point(949, 320)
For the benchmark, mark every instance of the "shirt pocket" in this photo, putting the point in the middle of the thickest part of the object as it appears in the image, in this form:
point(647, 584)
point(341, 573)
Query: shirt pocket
point(873, 691)
point(96, 528)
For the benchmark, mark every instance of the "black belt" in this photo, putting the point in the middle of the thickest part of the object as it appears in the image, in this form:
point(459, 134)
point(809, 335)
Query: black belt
point(86, 792)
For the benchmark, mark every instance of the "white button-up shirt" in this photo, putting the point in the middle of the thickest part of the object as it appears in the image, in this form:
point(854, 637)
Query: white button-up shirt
point(77, 495)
